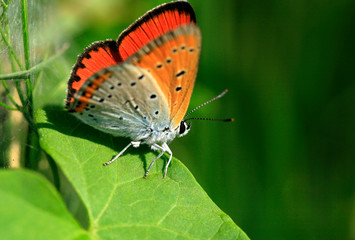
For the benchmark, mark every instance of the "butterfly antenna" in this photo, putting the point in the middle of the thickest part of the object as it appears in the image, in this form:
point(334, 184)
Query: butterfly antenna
point(203, 104)
point(212, 119)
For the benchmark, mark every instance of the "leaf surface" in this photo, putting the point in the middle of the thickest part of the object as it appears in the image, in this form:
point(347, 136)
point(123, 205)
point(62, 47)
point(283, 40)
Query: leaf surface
point(118, 200)
point(30, 208)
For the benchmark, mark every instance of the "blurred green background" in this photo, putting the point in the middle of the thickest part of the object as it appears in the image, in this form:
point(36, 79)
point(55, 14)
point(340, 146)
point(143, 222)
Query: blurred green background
point(285, 168)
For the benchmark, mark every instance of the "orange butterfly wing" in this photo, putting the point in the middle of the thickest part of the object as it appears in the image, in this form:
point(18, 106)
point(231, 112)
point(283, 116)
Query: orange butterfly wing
point(165, 40)
point(96, 57)
point(153, 24)
point(173, 59)
point(103, 54)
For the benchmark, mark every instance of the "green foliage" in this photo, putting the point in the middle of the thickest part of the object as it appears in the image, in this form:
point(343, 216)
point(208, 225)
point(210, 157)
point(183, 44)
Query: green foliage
point(32, 209)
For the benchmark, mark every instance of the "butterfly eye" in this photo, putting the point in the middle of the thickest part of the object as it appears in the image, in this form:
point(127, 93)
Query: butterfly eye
point(182, 128)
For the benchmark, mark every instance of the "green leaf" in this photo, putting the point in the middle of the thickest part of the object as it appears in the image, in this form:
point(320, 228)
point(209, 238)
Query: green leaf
point(30, 208)
point(120, 203)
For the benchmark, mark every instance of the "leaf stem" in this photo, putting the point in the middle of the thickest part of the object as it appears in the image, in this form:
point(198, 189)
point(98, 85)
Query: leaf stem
point(26, 49)
point(4, 11)
point(31, 151)
point(11, 50)
point(34, 69)
point(26, 45)
point(4, 4)
point(12, 55)
point(10, 95)
point(7, 106)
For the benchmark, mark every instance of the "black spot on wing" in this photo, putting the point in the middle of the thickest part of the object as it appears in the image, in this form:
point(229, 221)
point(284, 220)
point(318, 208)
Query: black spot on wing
point(181, 73)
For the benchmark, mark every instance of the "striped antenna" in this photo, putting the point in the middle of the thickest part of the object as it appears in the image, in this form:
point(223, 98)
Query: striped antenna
point(212, 119)
point(203, 104)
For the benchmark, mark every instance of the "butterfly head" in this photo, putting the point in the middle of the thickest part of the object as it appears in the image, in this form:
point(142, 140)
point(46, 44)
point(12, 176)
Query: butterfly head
point(183, 128)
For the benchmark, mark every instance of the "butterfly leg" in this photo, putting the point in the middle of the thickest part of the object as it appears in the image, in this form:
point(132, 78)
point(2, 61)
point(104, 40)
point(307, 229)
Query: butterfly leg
point(153, 161)
point(135, 144)
point(167, 149)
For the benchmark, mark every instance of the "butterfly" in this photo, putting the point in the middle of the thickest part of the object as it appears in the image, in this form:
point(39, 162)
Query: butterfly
point(140, 85)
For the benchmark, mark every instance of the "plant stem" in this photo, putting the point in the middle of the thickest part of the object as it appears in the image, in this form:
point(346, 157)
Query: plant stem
point(5, 8)
point(26, 45)
point(12, 56)
point(32, 153)
point(11, 50)
point(26, 48)
point(34, 69)
point(10, 96)
point(4, 4)
point(7, 106)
